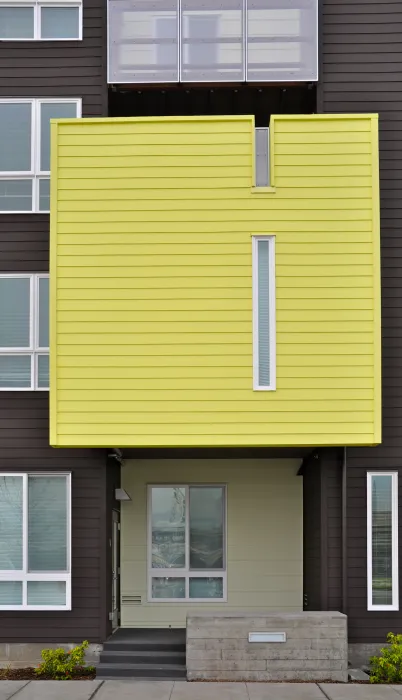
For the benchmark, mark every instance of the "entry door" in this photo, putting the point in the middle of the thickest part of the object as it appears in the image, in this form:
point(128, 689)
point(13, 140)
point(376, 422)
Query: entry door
point(115, 569)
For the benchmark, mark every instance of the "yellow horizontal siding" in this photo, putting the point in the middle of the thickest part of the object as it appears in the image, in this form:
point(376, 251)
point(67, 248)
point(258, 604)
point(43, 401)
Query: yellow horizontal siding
point(151, 229)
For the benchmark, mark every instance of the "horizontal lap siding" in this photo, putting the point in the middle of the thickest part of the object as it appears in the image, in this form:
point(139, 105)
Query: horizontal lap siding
point(362, 68)
point(25, 448)
point(153, 295)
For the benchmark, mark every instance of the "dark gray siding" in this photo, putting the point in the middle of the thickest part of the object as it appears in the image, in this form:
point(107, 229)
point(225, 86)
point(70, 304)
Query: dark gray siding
point(362, 72)
point(24, 446)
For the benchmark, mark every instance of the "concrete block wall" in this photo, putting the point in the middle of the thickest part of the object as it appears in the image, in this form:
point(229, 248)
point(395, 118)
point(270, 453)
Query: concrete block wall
point(316, 647)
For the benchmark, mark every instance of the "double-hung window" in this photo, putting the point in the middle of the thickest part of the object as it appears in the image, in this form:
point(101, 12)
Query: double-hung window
point(186, 543)
point(25, 151)
point(264, 362)
point(46, 20)
point(24, 332)
point(35, 543)
point(382, 541)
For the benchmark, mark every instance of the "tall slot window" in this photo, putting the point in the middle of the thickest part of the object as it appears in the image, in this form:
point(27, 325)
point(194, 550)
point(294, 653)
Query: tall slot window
point(50, 20)
point(382, 541)
point(35, 526)
point(264, 364)
point(186, 543)
point(24, 332)
point(25, 151)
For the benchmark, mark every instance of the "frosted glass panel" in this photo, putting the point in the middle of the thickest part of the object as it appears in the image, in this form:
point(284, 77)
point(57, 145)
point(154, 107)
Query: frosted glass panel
point(48, 111)
point(47, 523)
point(263, 314)
point(15, 137)
point(14, 312)
point(10, 592)
point(15, 195)
point(206, 528)
point(15, 371)
point(60, 23)
point(381, 503)
point(44, 194)
point(282, 42)
point(261, 157)
point(46, 592)
point(43, 371)
point(142, 38)
point(206, 587)
point(10, 523)
point(168, 588)
point(212, 47)
point(43, 312)
point(168, 527)
point(16, 22)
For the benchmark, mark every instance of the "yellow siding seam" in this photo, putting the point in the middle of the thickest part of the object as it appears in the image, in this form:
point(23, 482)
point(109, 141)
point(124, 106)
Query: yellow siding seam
point(377, 280)
point(53, 284)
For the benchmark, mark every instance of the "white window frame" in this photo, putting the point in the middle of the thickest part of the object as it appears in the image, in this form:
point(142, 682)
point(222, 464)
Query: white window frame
point(395, 565)
point(186, 572)
point(37, 8)
point(24, 575)
point(35, 174)
point(34, 350)
point(272, 313)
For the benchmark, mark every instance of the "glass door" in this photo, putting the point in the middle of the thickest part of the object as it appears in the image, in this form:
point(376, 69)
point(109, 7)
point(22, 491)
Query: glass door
point(115, 569)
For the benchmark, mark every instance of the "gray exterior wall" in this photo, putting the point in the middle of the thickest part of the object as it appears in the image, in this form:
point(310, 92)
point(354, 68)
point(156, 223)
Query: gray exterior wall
point(361, 69)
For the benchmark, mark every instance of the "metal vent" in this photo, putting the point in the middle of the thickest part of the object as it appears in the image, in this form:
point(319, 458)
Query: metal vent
point(131, 599)
point(262, 157)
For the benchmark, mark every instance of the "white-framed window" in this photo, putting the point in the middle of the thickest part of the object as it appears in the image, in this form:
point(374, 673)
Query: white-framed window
point(25, 151)
point(264, 331)
point(43, 20)
point(187, 543)
point(35, 543)
point(382, 541)
point(24, 332)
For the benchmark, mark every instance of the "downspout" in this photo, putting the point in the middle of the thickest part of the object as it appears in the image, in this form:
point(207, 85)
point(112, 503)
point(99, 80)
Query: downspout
point(344, 535)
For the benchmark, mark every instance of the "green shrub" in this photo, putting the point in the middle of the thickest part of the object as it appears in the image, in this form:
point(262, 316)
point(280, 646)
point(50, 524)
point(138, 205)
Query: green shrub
point(63, 665)
point(387, 668)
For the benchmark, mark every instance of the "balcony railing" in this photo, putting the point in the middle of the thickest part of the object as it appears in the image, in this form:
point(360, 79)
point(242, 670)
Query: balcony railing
point(212, 41)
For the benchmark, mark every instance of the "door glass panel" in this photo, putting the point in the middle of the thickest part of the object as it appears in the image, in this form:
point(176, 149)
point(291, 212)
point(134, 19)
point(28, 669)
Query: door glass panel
point(16, 22)
point(43, 312)
point(47, 523)
point(14, 312)
point(168, 588)
point(60, 22)
point(15, 371)
point(381, 489)
point(46, 592)
point(15, 195)
point(168, 527)
point(206, 587)
point(10, 592)
point(15, 136)
point(206, 528)
point(48, 111)
point(11, 523)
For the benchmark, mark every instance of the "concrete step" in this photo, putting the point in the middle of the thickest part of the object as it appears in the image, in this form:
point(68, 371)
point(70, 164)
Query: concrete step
point(144, 656)
point(143, 645)
point(132, 670)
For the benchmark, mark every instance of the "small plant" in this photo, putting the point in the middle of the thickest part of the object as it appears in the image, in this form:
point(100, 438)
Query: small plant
point(4, 671)
point(387, 668)
point(63, 665)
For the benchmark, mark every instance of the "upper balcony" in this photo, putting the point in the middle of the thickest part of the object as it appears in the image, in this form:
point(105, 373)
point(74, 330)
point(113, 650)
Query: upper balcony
point(213, 41)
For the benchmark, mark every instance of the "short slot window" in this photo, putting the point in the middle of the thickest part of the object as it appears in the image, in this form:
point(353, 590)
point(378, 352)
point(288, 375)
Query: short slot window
point(264, 362)
point(382, 541)
point(34, 21)
point(24, 332)
point(25, 151)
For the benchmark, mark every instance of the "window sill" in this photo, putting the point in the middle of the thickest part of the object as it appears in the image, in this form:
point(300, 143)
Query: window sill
point(263, 190)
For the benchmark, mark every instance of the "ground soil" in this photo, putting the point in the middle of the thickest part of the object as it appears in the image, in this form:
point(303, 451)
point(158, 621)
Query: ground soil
point(28, 674)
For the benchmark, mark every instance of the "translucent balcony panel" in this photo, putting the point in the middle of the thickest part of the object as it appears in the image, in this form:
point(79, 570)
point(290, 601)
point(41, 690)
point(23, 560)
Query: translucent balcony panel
point(282, 42)
point(212, 41)
point(143, 41)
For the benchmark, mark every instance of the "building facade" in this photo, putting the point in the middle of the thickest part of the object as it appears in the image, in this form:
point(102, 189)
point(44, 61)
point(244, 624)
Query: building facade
point(215, 437)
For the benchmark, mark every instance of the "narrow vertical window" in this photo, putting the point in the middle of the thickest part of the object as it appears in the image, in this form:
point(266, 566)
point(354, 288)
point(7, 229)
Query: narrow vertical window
point(382, 541)
point(262, 157)
point(264, 313)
